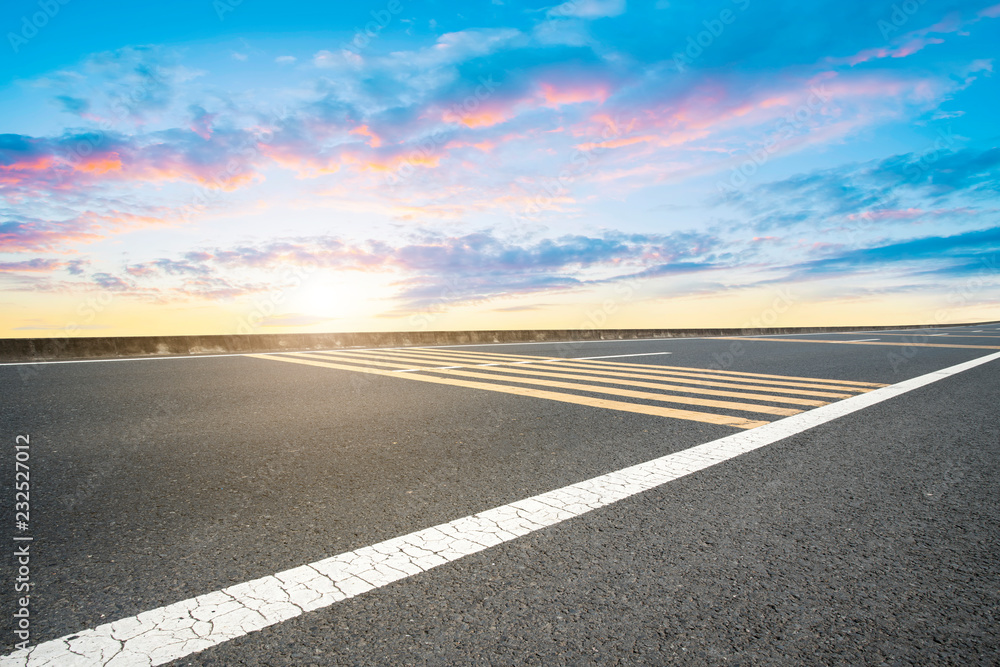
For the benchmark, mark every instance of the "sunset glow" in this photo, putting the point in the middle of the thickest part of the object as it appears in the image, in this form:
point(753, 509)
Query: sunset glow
point(205, 168)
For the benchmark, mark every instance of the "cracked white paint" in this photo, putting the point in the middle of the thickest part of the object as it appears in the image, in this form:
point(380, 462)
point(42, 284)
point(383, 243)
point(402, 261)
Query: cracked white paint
point(162, 635)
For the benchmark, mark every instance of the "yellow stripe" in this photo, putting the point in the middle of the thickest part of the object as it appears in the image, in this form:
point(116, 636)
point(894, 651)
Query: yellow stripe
point(470, 360)
point(656, 411)
point(674, 376)
point(753, 376)
point(729, 405)
point(849, 342)
point(689, 369)
point(568, 366)
point(677, 376)
point(525, 370)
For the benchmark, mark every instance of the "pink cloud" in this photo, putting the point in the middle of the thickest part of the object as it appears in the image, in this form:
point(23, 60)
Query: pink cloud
point(296, 159)
point(546, 94)
point(201, 124)
point(373, 139)
point(141, 271)
point(44, 236)
point(554, 96)
point(991, 12)
point(37, 265)
point(908, 48)
point(100, 164)
point(617, 143)
point(18, 168)
point(484, 116)
point(912, 213)
point(33, 165)
point(889, 214)
point(485, 146)
point(917, 40)
point(396, 160)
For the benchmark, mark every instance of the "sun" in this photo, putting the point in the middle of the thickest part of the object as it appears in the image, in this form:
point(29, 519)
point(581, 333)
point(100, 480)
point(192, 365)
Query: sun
point(338, 295)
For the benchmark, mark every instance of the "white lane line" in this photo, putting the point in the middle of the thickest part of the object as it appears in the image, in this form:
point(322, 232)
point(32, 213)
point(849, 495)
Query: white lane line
point(529, 361)
point(168, 633)
point(616, 356)
point(863, 340)
point(857, 332)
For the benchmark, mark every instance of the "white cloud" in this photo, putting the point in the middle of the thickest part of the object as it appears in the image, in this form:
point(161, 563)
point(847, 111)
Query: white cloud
point(324, 58)
point(561, 32)
point(285, 60)
point(456, 47)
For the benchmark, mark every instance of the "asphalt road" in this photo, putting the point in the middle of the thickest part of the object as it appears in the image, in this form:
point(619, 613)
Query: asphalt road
point(873, 538)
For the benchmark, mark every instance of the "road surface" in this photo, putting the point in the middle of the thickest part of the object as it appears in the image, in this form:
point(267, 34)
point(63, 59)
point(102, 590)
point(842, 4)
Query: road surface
point(841, 505)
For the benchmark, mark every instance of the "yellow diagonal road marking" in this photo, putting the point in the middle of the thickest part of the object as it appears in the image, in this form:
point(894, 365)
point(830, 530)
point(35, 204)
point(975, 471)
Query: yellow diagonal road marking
point(671, 369)
point(690, 415)
point(703, 378)
point(464, 360)
point(607, 380)
point(629, 379)
point(674, 376)
point(666, 398)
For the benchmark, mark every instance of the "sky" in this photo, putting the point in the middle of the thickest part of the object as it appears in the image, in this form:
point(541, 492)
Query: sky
point(247, 166)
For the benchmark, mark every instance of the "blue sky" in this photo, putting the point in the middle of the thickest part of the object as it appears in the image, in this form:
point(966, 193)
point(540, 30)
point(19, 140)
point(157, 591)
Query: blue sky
point(220, 167)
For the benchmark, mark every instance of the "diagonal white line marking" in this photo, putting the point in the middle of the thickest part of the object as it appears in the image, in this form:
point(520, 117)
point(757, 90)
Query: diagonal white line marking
point(168, 633)
point(863, 340)
point(615, 356)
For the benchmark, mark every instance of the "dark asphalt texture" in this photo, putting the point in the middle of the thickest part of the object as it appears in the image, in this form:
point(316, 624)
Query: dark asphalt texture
point(872, 539)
